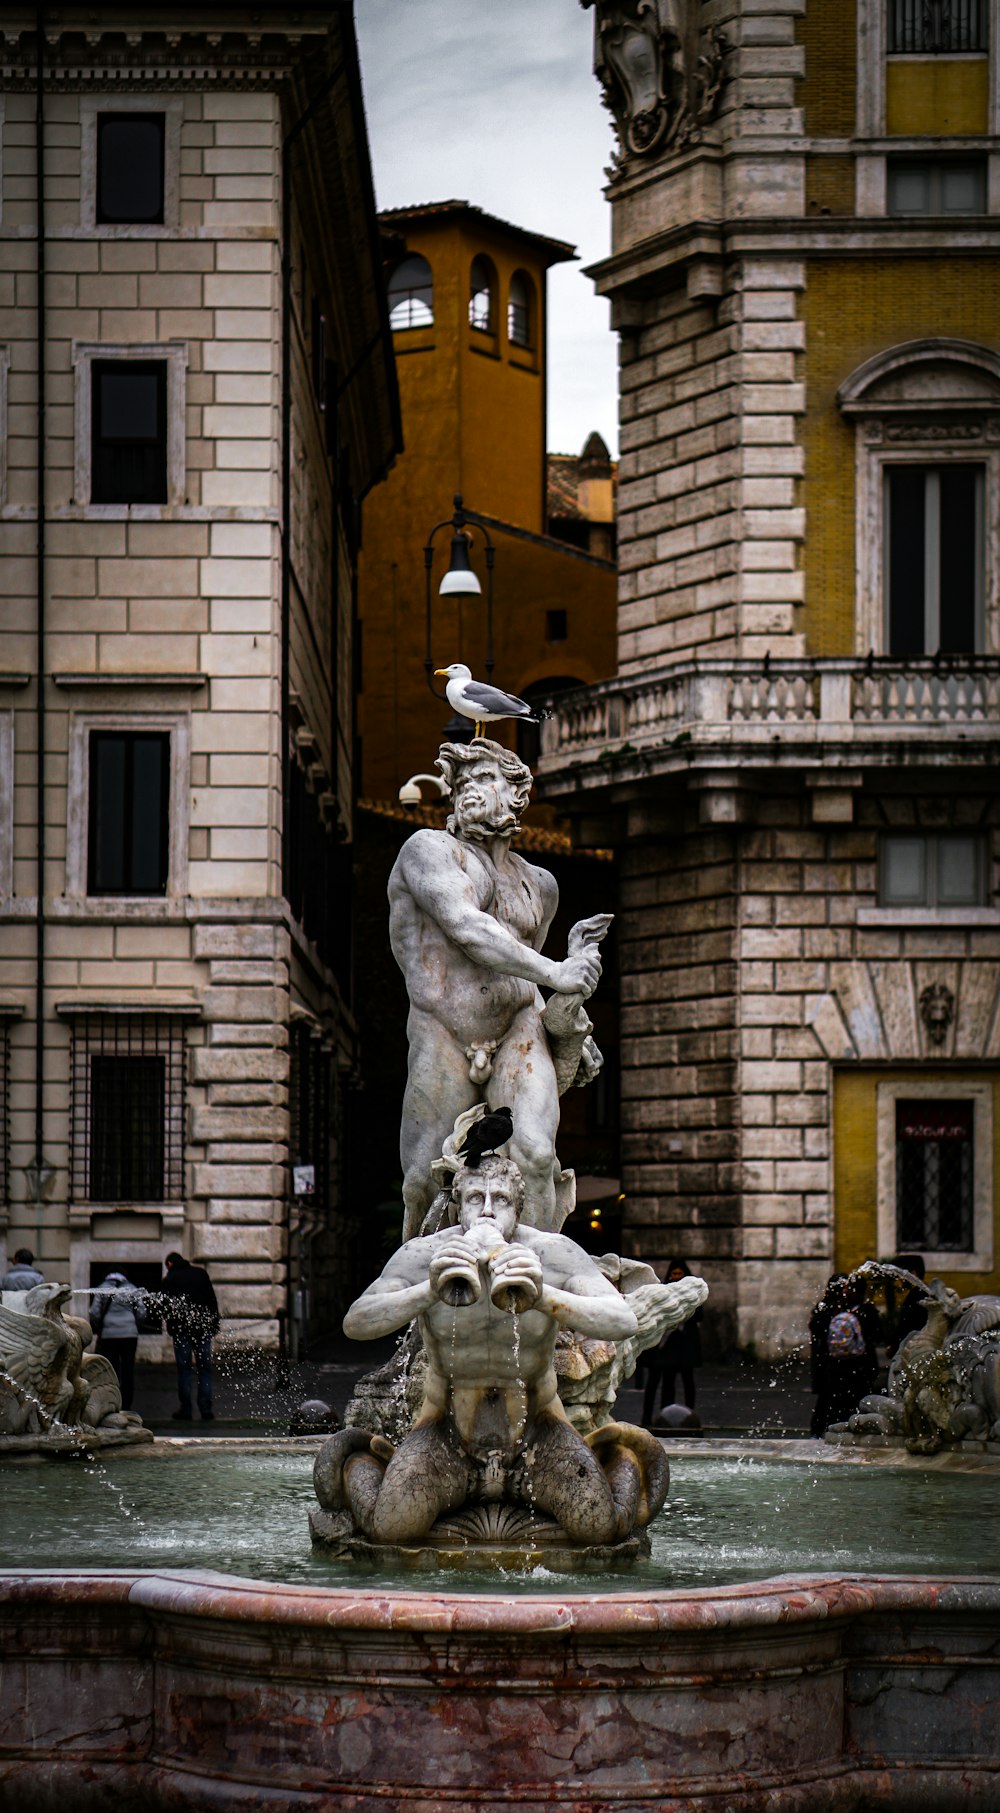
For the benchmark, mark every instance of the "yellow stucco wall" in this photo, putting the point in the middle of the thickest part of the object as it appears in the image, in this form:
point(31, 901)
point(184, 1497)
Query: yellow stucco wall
point(855, 1163)
point(938, 96)
point(853, 308)
point(830, 185)
point(827, 30)
point(473, 422)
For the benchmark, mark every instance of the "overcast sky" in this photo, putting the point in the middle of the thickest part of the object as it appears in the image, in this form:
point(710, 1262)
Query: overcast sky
point(495, 102)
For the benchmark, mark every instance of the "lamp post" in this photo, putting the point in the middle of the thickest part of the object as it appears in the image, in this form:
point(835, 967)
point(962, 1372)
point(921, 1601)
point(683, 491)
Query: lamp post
point(460, 580)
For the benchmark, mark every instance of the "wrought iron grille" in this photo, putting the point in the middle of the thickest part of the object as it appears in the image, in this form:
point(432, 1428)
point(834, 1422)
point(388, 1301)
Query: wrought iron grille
point(127, 1079)
point(934, 1176)
point(311, 1111)
point(922, 27)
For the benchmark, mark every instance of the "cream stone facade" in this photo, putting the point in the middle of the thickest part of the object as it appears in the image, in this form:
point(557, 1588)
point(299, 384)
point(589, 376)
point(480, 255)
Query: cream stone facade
point(175, 1009)
point(798, 758)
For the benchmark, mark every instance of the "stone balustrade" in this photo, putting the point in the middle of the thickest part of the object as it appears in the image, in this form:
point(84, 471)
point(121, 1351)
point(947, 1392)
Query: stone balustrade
point(770, 710)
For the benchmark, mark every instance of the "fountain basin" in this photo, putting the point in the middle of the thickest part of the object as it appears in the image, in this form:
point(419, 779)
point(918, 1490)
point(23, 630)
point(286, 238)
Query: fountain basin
point(833, 1690)
point(214, 1692)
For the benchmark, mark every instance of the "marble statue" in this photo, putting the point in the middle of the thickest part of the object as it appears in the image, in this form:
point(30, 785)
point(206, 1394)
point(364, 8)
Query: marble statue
point(467, 921)
point(490, 1295)
point(493, 1433)
point(51, 1390)
point(943, 1388)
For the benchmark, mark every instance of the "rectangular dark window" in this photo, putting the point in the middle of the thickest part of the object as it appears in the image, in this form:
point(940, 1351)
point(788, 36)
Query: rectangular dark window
point(934, 559)
point(128, 820)
point(945, 186)
point(130, 168)
point(129, 431)
point(932, 869)
point(127, 1108)
point(555, 626)
point(937, 27)
point(934, 1176)
point(126, 1129)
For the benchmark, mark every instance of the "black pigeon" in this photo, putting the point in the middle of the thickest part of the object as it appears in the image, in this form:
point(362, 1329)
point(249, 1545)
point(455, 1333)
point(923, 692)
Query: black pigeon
point(486, 1135)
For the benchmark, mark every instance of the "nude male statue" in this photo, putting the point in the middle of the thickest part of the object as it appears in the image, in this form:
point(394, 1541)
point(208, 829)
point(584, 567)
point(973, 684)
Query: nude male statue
point(467, 922)
point(491, 1295)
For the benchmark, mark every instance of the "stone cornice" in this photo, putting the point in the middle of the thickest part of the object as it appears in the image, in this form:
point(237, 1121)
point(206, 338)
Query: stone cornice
point(875, 238)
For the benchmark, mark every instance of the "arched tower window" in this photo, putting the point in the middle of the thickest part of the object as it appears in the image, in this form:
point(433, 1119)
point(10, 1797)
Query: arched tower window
point(521, 310)
point(411, 294)
point(483, 296)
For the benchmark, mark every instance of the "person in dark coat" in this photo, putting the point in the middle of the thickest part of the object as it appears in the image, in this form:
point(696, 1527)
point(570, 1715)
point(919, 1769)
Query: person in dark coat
point(679, 1351)
point(114, 1310)
point(191, 1314)
point(819, 1322)
point(23, 1274)
point(912, 1311)
point(850, 1362)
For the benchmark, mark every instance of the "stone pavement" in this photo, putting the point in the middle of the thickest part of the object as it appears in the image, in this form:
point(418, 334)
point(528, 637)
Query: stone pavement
point(254, 1396)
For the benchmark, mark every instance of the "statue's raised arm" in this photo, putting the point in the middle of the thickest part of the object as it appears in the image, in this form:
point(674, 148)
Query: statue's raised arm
point(468, 919)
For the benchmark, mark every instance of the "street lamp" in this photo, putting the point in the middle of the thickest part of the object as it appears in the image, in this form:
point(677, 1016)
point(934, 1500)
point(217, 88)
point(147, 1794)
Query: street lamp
point(459, 581)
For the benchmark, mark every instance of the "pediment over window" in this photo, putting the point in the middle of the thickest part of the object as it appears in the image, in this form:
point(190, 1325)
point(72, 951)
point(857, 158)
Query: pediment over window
point(925, 377)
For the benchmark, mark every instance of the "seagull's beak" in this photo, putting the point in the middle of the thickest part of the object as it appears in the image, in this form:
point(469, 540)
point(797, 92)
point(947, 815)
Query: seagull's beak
point(442, 670)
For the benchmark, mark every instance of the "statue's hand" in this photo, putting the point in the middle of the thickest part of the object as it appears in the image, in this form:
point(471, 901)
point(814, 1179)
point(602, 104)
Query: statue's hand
point(453, 1273)
point(581, 971)
point(515, 1278)
point(578, 974)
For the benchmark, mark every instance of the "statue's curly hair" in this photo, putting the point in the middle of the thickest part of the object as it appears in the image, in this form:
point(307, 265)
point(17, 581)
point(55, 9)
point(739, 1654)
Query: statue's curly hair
point(490, 1166)
point(454, 758)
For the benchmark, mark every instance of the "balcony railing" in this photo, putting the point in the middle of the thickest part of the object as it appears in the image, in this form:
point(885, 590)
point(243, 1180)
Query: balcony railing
point(777, 707)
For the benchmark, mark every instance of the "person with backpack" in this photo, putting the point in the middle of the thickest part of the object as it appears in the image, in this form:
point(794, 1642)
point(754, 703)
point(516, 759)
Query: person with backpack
point(851, 1351)
point(116, 1312)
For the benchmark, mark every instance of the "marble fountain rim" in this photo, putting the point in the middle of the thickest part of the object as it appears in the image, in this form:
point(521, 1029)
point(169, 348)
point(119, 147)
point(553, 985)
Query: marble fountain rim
point(777, 1601)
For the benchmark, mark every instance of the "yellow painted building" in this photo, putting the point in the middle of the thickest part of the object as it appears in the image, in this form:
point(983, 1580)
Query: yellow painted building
point(467, 296)
point(799, 756)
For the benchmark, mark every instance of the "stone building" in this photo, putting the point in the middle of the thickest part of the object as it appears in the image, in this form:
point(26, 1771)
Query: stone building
point(798, 757)
point(193, 324)
point(469, 312)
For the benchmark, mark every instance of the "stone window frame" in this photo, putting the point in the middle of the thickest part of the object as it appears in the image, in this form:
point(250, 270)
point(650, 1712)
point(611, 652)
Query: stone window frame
point(172, 108)
point(870, 112)
point(940, 1088)
point(4, 394)
point(175, 354)
point(177, 724)
point(905, 409)
point(162, 1029)
point(6, 802)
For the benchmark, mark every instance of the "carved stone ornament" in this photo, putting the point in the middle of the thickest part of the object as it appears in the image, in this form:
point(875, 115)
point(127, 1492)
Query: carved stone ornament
point(660, 73)
point(937, 1011)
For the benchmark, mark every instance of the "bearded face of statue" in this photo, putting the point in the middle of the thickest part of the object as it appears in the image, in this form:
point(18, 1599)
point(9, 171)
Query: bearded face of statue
point(486, 803)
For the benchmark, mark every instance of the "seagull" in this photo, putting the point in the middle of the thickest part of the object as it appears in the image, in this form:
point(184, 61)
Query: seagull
point(483, 704)
point(487, 1134)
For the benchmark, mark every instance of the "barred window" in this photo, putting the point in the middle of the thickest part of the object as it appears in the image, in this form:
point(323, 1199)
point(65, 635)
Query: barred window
point(934, 1175)
point(127, 1108)
point(310, 1106)
point(922, 27)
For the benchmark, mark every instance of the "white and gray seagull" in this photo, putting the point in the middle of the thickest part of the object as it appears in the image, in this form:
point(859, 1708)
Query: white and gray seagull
point(483, 704)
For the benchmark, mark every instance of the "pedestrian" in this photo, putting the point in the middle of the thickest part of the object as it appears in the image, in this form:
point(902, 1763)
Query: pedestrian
point(679, 1351)
point(23, 1274)
point(851, 1351)
point(912, 1311)
point(191, 1313)
point(819, 1322)
point(116, 1311)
